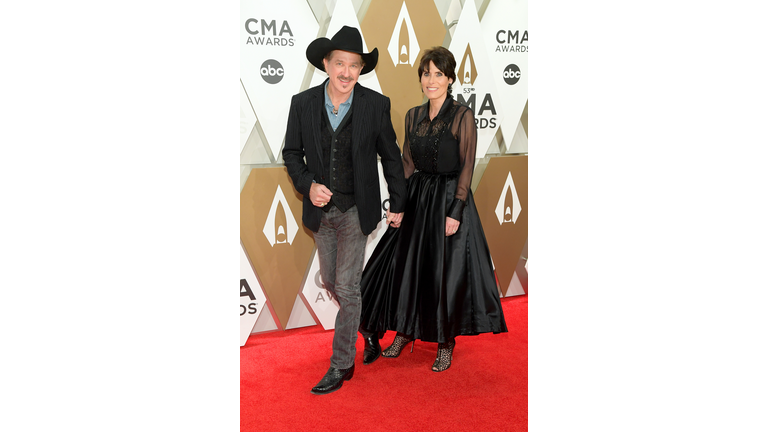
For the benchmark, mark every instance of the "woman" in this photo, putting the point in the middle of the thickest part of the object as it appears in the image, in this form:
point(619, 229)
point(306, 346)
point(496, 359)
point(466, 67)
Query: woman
point(431, 277)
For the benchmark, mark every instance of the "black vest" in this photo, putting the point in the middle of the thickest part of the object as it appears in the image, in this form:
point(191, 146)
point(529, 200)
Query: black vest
point(337, 160)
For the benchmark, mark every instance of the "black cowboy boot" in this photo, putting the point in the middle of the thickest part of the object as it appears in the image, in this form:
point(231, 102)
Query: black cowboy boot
point(333, 380)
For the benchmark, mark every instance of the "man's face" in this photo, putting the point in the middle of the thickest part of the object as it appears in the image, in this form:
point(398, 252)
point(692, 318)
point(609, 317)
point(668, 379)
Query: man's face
point(343, 69)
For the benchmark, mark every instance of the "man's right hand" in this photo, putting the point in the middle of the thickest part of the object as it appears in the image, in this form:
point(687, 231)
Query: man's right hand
point(319, 194)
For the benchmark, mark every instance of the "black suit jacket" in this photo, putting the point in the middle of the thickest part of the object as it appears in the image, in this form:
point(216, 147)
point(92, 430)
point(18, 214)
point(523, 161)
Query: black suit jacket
point(372, 134)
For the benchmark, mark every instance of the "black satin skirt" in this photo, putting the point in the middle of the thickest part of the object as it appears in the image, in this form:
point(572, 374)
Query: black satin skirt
point(426, 285)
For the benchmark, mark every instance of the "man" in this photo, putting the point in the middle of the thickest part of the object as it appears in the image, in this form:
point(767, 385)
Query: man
point(340, 127)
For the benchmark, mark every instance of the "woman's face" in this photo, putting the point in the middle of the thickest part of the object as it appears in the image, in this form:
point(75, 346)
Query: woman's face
point(434, 83)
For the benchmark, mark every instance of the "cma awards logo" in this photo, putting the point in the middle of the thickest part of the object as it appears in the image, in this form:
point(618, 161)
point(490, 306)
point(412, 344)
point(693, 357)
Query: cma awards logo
point(384, 208)
point(403, 47)
point(467, 70)
point(508, 208)
point(321, 289)
point(245, 291)
point(280, 227)
point(263, 32)
point(511, 42)
point(467, 76)
point(272, 71)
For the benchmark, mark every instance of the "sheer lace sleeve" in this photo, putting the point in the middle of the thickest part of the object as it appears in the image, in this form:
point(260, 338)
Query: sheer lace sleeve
point(408, 165)
point(464, 129)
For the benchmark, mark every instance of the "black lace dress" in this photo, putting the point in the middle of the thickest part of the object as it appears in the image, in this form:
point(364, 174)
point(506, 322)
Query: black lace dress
point(418, 281)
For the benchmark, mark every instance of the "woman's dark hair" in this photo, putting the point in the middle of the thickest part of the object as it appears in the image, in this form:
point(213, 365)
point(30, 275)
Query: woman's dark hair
point(443, 60)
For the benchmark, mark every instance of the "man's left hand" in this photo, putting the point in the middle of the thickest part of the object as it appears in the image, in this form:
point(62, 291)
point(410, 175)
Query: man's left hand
point(394, 219)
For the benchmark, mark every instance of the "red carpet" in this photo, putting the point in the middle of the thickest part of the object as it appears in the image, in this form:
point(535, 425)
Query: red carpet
point(486, 387)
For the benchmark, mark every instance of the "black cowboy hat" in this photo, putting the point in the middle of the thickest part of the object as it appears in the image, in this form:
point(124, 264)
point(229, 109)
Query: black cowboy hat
point(346, 39)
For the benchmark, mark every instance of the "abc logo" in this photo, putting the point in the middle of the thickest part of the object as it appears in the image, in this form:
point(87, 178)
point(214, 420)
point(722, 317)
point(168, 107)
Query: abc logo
point(272, 71)
point(511, 74)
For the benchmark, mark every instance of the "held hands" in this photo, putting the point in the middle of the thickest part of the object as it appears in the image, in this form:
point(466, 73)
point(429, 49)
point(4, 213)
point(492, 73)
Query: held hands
point(451, 226)
point(394, 219)
point(319, 194)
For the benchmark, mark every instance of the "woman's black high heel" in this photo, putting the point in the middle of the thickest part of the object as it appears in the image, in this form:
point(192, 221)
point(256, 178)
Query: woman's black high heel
point(444, 356)
point(397, 346)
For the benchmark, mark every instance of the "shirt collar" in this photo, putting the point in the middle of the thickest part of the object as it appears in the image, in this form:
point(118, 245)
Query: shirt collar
point(446, 104)
point(328, 99)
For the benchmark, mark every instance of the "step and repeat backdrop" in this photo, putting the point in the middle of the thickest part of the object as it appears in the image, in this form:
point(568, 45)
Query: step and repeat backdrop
point(280, 284)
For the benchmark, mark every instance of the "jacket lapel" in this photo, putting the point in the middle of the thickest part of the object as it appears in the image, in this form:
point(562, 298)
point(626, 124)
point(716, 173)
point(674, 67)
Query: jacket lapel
point(360, 114)
point(316, 109)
